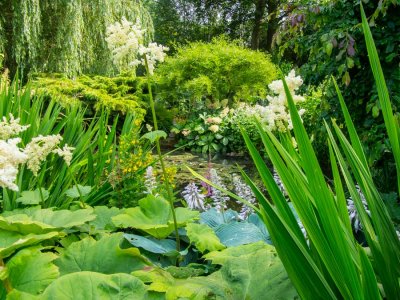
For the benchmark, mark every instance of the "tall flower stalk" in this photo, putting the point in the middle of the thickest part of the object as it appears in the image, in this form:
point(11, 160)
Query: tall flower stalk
point(125, 40)
point(160, 157)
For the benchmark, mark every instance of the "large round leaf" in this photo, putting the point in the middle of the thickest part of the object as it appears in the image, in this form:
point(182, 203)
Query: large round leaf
point(91, 285)
point(103, 217)
point(239, 233)
point(37, 220)
point(103, 256)
point(154, 216)
point(203, 237)
point(11, 241)
point(31, 271)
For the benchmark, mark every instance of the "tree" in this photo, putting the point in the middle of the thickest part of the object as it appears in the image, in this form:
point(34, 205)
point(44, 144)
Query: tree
point(253, 21)
point(63, 36)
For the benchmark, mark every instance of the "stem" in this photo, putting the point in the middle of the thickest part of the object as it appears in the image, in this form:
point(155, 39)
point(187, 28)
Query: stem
point(6, 282)
point(41, 193)
point(168, 187)
point(76, 184)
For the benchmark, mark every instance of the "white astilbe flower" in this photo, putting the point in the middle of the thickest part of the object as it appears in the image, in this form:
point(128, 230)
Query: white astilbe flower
point(193, 197)
point(38, 149)
point(11, 128)
point(11, 157)
point(126, 41)
point(219, 199)
point(65, 153)
point(351, 208)
point(150, 180)
point(244, 191)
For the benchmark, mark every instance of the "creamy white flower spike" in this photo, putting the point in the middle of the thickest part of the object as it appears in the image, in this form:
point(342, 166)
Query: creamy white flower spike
point(11, 156)
point(126, 41)
point(11, 128)
point(65, 153)
point(38, 149)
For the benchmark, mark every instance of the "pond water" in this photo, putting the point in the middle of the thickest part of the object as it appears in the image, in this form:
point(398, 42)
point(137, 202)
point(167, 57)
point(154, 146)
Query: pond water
point(226, 166)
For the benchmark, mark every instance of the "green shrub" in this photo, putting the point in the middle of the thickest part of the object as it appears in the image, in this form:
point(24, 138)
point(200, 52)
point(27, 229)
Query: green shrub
point(213, 72)
point(118, 94)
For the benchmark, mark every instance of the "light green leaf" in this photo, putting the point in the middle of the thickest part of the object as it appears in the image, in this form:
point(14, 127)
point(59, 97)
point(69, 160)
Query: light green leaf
point(103, 256)
point(154, 217)
point(12, 241)
point(91, 285)
point(35, 219)
point(153, 136)
point(33, 197)
point(203, 237)
point(78, 191)
point(248, 272)
point(103, 217)
point(31, 271)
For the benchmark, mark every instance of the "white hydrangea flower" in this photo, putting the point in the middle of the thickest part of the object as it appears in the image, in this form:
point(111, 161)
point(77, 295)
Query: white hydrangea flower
point(38, 149)
point(11, 156)
point(244, 191)
point(193, 197)
point(11, 128)
point(275, 116)
point(213, 128)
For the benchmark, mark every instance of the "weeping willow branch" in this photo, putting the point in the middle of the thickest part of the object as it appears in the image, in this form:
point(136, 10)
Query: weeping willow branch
point(64, 36)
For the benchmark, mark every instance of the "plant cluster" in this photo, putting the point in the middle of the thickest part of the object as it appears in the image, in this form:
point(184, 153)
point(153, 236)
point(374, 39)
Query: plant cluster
point(121, 94)
point(213, 130)
point(208, 73)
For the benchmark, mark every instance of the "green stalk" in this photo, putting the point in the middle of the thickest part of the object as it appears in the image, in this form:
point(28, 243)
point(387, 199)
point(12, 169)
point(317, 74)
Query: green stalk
point(6, 282)
point(169, 190)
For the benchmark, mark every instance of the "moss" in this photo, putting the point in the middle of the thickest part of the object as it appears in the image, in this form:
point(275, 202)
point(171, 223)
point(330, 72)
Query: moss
point(121, 94)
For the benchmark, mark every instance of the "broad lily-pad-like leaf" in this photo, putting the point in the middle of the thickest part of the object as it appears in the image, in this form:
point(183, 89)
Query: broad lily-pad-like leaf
point(239, 233)
point(11, 241)
point(248, 272)
point(214, 218)
point(78, 191)
point(31, 271)
point(154, 216)
point(103, 256)
point(91, 285)
point(37, 220)
point(203, 237)
point(103, 219)
point(33, 197)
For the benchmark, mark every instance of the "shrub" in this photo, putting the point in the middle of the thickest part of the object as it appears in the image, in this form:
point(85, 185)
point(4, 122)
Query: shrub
point(213, 72)
point(118, 94)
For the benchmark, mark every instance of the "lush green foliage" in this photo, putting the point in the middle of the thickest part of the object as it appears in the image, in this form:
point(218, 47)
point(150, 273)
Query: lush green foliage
point(356, 272)
point(325, 39)
point(93, 158)
point(215, 131)
point(123, 94)
point(211, 73)
point(63, 36)
point(80, 249)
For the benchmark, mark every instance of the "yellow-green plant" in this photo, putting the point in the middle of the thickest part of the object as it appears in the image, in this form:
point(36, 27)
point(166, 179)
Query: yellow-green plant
point(328, 263)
